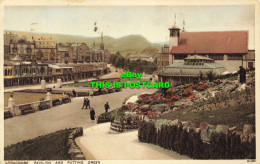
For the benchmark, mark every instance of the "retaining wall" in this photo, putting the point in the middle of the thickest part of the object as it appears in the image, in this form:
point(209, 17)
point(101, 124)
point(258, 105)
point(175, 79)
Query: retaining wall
point(121, 126)
point(74, 151)
point(206, 142)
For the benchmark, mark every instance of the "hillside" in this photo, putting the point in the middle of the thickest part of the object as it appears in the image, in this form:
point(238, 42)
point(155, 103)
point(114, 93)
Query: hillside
point(134, 44)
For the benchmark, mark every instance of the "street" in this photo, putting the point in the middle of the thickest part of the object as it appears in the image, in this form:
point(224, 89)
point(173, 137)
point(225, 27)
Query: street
point(69, 115)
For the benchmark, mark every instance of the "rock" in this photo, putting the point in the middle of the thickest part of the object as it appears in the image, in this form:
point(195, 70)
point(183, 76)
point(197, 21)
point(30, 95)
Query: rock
point(145, 106)
point(74, 151)
point(134, 107)
point(247, 136)
point(251, 137)
point(241, 87)
point(79, 157)
point(203, 125)
point(222, 129)
point(247, 129)
point(70, 141)
point(73, 144)
point(212, 94)
point(176, 122)
point(160, 107)
point(197, 130)
point(232, 128)
point(206, 132)
point(187, 124)
point(159, 122)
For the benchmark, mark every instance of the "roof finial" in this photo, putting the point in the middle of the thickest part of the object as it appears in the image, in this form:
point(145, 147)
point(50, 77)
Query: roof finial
point(102, 37)
point(183, 29)
point(175, 20)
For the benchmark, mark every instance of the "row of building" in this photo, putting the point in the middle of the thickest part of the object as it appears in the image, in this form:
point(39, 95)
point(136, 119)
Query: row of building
point(190, 54)
point(46, 51)
point(19, 72)
point(29, 61)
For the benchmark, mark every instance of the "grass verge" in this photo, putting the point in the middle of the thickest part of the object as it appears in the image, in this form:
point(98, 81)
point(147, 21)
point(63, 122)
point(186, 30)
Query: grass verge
point(48, 147)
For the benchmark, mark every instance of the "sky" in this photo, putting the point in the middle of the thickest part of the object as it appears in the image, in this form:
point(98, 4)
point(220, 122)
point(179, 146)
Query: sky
point(152, 22)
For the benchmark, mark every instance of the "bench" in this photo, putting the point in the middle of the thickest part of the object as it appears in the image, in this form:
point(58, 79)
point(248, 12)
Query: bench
point(7, 114)
point(81, 94)
point(56, 102)
point(26, 109)
point(111, 90)
point(118, 89)
point(66, 100)
point(43, 105)
point(95, 93)
point(104, 91)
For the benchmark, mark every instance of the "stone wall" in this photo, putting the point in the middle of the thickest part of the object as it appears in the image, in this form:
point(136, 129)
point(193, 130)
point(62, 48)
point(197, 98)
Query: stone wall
point(129, 122)
point(206, 142)
point(73, 149)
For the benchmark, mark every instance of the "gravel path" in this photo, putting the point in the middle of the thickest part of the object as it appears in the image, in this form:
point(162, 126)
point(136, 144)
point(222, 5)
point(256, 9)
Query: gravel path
point(122, 146)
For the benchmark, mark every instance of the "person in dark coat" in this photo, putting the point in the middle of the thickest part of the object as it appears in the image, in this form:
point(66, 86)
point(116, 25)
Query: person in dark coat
point(84, 103)
point(106, 107)
point(74, 93)
point(87, 103)
point(92, 114)
point(242, 73)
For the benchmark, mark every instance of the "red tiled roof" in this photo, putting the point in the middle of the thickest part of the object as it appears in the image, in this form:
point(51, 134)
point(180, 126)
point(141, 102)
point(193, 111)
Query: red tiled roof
point(212, 42)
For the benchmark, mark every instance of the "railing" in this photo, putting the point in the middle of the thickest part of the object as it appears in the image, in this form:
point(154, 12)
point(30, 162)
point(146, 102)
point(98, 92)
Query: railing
point(34, 106)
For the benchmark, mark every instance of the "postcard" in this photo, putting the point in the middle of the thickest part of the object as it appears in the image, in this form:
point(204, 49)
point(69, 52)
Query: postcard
point(115, 81)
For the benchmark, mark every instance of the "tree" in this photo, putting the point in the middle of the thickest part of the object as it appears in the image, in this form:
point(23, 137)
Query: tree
point(118, 61)
point(113, 59)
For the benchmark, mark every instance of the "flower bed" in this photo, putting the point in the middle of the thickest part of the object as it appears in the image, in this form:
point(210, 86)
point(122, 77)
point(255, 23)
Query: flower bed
point(149, 98)
point(110, 116)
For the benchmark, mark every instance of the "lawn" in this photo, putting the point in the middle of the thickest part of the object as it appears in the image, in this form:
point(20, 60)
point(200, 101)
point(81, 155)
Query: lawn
point(233, 116)
point(122, 80)
point(49, 147)
point(24, 98)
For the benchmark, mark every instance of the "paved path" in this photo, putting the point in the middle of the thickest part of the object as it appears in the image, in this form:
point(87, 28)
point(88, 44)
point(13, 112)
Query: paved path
point(122, 146)
point(29, 126)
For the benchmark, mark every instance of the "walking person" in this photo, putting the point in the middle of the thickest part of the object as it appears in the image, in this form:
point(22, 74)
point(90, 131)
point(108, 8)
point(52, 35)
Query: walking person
point(107, 107)
point(74, 93)
point(84, 103)
point(92, 114)
point(242, 73)
point(87, 103)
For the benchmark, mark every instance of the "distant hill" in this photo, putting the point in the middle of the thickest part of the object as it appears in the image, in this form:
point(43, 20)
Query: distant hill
point(133, 44)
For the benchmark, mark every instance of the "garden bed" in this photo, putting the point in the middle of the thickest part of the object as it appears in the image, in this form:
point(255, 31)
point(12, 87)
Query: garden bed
point(237, 115)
